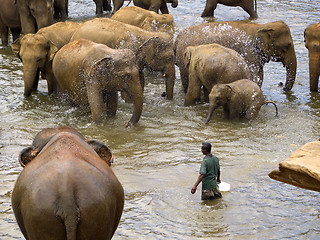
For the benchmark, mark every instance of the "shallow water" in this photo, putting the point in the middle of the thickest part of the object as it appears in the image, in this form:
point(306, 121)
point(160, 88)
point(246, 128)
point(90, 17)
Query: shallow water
point(157, 160)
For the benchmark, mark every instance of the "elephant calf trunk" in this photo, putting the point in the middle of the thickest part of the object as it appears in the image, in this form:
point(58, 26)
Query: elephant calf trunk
point(211, 110)
point(267, 102)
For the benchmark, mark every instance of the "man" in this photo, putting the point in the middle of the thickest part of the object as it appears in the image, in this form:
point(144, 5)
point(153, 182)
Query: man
point(209, 175)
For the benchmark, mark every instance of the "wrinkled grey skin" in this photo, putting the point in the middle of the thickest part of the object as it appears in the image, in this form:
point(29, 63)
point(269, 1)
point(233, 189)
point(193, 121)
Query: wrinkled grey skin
point(312, 43)
point(9, 20)
point(152, 5)
point(36, 51)
point(256, 43)
point(240, 99)
point(211, 64)
point(50, 197)
point(91, 74)
point(35, 14)
point(153, 50)
point(250, 6)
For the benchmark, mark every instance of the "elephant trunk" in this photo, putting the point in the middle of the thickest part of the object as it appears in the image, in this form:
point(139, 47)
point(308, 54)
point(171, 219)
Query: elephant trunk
point(170, 76)
point(31, 79)
point(211, 110)
point(274, 104)
point(291, 68)
point(174, 3)
point(137, 107)
point(314, 70)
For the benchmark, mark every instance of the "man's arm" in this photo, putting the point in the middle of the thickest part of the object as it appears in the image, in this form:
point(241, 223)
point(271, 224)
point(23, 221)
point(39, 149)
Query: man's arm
point(194, 188)
point(218, 177)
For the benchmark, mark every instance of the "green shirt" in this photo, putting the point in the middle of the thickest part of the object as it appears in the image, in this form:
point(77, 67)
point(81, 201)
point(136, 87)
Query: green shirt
point(209, 168)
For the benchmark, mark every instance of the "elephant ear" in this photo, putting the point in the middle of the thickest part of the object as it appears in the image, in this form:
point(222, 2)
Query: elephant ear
point(15, 46)
point(187, 57)
point(52, 50)
point(102, 150)
point(150, 51)
point(27, 155)
point(102, 66)
point(264, 41)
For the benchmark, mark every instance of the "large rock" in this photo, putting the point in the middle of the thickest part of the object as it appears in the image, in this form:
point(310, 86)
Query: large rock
point(302, 168)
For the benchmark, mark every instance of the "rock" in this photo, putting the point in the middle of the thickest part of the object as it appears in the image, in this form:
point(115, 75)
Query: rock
point(302, 168)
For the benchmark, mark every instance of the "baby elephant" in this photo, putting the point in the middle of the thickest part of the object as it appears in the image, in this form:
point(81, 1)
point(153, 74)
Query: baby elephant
point(209, 65)
point(240, 99)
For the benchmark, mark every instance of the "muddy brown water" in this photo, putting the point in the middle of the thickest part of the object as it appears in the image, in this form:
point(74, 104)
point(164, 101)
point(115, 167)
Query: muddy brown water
point(157, 160)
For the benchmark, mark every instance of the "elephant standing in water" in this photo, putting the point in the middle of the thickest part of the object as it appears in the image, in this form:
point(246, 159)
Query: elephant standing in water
point(250, 6)
point(240, 99)
point(66, 189)
point(153, 50)
point(211, 64)
point(9, 19)
point(312, 43)
point(152, 5)
point(36, 52)
point(92, 73)
point(35, 14)
point(256, 43)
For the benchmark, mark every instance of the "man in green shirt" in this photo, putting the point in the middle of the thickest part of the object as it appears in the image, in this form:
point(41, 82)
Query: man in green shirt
point(209, 175)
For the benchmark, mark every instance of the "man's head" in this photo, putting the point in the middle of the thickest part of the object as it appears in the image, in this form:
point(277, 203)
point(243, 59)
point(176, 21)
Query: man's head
point(206, 148)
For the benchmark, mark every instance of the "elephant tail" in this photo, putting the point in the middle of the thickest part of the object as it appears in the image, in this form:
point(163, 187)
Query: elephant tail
point(275, 105)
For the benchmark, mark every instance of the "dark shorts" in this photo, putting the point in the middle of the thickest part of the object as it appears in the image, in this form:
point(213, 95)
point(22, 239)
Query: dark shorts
point(211, 194)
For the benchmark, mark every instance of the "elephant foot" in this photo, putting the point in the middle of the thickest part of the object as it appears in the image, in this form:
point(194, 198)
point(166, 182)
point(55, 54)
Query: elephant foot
point(164, 94)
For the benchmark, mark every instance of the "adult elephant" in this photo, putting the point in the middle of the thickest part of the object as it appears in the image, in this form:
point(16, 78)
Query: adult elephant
point(312, 43)
point(66, 189)
point(145, 19)
point(9, 19)
point(153, 50)
point(92, 73)
point(152, 5)
point(35, 14)
point(239, 99)
point(209, 65)
point(36, 52)
point(250, 6)
point(256, 43)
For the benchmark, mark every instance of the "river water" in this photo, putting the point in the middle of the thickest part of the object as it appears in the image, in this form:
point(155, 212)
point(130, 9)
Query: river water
point(157, 161)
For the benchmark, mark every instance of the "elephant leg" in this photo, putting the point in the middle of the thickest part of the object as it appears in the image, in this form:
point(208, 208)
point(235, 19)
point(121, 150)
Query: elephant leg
point(194, 90)
point(164, 8)
point(106, 5)
point(184, 77)
point(15, 33)
point(4, 31)
point(209, 8)
point(206, 93)
point(111, 100)
point(249, 8)
point(141, 76)
point(36, 81)
point(99, 7)
point(314, 70)
point(117, 4)
point(95, 100)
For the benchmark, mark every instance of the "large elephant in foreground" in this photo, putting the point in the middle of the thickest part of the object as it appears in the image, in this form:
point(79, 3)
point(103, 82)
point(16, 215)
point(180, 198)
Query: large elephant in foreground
point(250, 6)
point(35, 14)
point(240, 99)
point(153, 50)
point(211, 64)
point(66, 189)
point(92, 73)
point(152, 5)
point(145, 19)
point(36, 52)
point(9, 19)
point(312, 43)
point(256, 43)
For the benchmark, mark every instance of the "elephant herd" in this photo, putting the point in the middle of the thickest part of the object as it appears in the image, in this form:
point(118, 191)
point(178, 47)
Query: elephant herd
point(88, 63)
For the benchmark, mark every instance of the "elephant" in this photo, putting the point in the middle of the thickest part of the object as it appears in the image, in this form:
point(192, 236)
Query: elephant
point(102, 5)
point(152, 5)
point(211, 64)
point(36, 52)
point(153, 50)
point(145, 19)
point(250, 6)
point(257, 43)
point(35, 14)
point(92, 73)
point(312, 43)
point(9, 19)
point(66, 189)
point(240, 99)
point(60, 9)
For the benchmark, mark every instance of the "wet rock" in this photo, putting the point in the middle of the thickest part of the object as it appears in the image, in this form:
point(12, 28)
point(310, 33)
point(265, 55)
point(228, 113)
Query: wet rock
point(302, 168)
